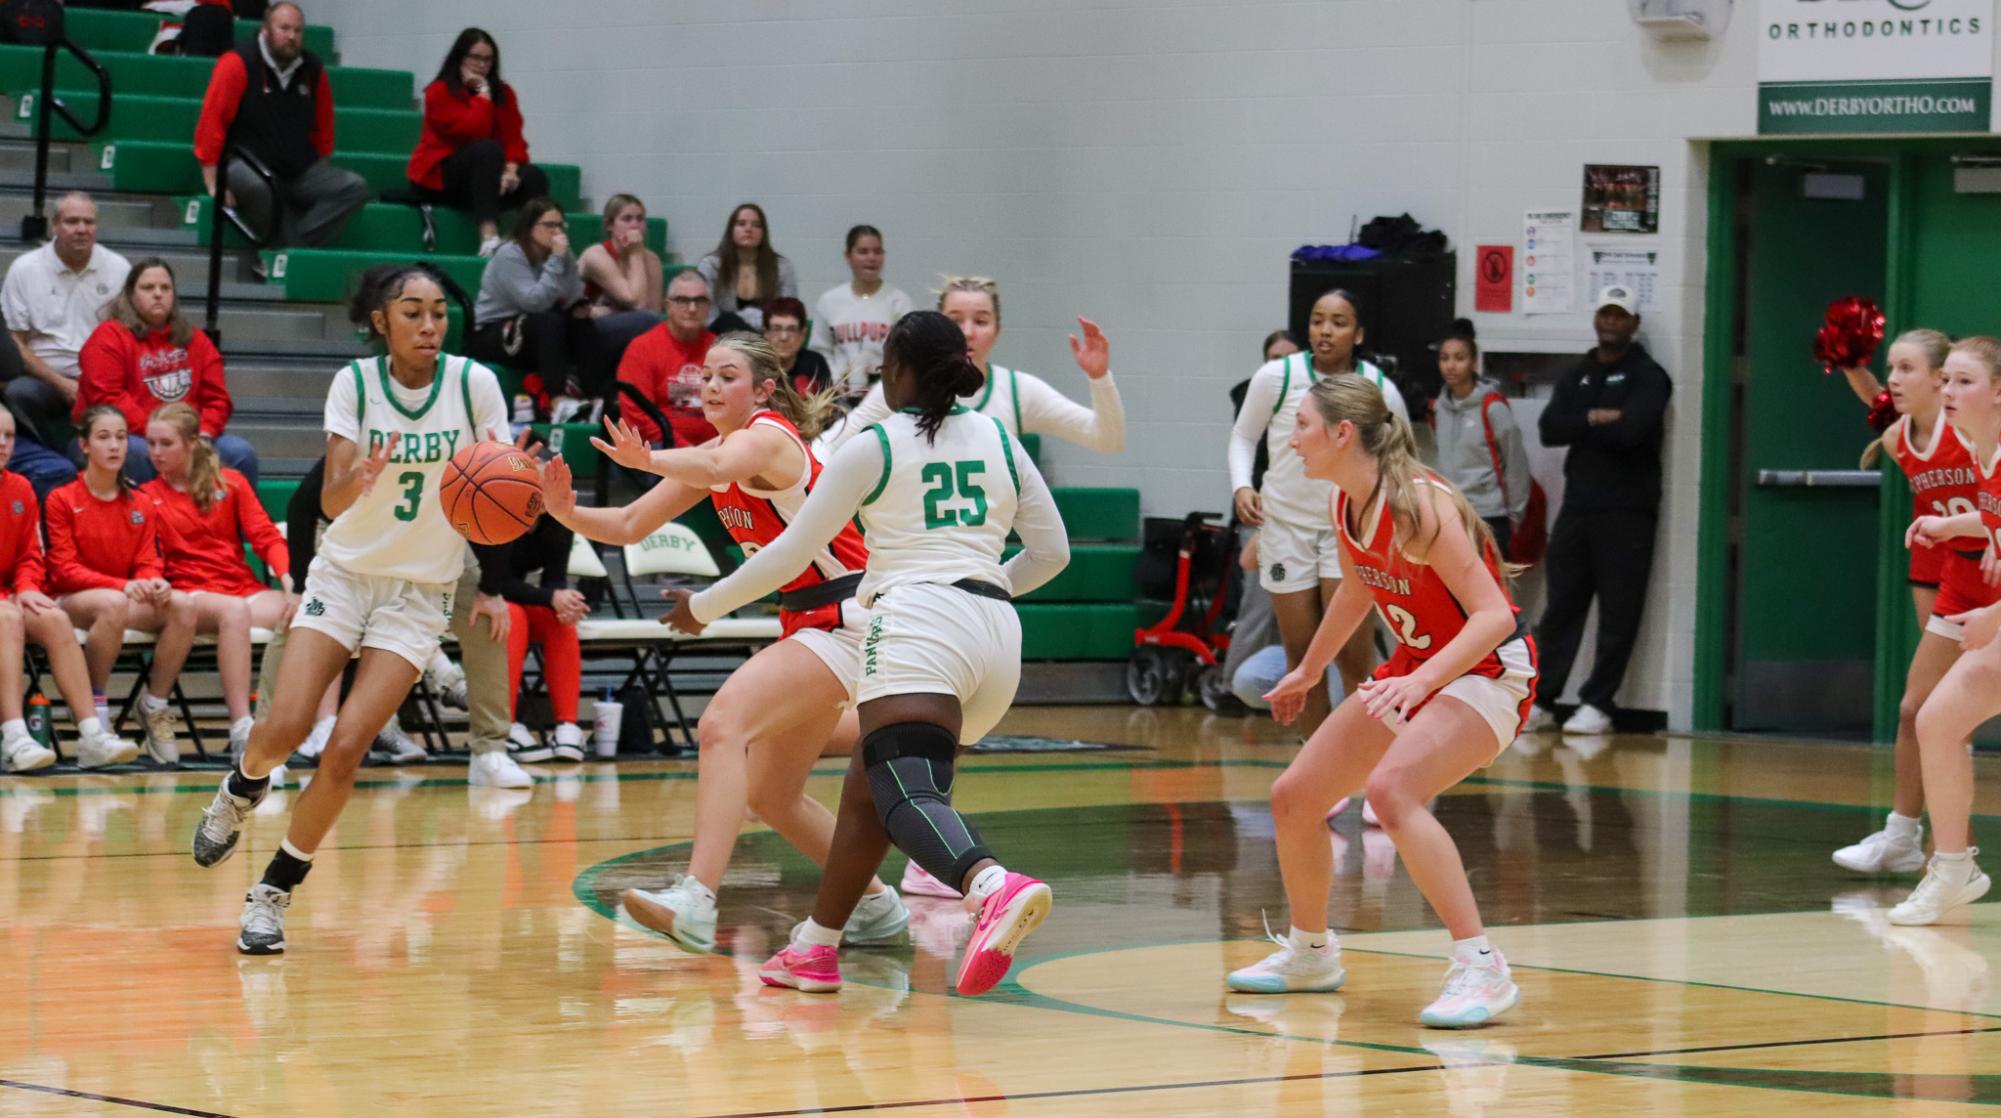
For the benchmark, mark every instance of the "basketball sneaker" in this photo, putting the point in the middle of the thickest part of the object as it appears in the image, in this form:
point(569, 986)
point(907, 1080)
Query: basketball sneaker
point(1475, 993)
point(1541, 721)
point(1885, 852)
point(813, 969)
point(1010, 913)
point(918, 882)
point(1588, 720)
point(495, 769)
point(525, 748)
point(397, 747)
point(1293, 969)
point(878, 919)
point(263, 920)
point(20, 753)
point(569, 745)
point(308, 754)
point(97, 749)
point(1949, 883)
point(162, 726)
point(221, 825)
point(682, 912)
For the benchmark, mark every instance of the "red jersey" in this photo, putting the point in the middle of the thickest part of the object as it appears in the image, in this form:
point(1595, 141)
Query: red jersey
point(21, 566)
point(103, 545)
point(1422, 614)
point(669, 374)
point(1943, 483)
point(204, 550)
point(755, 517)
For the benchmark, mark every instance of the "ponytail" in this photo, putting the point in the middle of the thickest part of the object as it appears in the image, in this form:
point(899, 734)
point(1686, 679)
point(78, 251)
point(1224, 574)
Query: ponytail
point(205, 482)
point(809, 414)
point(931, 348)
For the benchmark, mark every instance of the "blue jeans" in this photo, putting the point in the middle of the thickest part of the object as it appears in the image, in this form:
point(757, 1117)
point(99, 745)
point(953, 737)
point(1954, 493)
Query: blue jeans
point(235, 453)
point(1261, 671)
point(45, 469)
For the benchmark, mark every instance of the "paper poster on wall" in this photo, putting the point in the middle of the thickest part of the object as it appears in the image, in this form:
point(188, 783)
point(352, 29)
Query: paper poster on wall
point(1635, 268)
point(1875, 65)
point(1549, 261)
point(1494, 279)
point(1621, 199)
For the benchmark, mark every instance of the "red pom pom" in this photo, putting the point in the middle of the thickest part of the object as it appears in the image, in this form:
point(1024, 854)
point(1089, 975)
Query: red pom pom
point(1853, 330)
point(1882, 413)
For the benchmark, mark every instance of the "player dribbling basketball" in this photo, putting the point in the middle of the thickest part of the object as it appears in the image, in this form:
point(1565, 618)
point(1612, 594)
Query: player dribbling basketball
point(381, 586)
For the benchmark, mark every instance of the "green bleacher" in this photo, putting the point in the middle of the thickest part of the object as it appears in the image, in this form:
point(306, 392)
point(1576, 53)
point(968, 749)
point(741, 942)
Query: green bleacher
point(1086, 613)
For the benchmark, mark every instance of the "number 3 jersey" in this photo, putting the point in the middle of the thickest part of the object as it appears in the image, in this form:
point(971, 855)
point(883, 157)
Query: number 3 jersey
point(942, 509)
point(755, 517)
point(1422, 614)
point(397, 529)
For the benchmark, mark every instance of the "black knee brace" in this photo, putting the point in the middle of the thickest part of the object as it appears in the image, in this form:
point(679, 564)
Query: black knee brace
point(909, 769)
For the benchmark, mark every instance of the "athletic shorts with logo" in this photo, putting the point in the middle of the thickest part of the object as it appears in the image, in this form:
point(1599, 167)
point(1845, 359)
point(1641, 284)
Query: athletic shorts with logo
point(1292, 558)
point(929, 638)
point(370, 611)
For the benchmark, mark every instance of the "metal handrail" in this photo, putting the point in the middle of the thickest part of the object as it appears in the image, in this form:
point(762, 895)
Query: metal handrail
point(35, 226)
point(222, 213)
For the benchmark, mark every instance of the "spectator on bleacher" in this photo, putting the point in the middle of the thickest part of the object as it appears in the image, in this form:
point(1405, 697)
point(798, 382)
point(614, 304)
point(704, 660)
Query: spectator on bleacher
point(472, 154)
point(745, 272)
point(531, 316)
point(208, 513)
point(29, 614)
point(545, 612)
point(146, 353)
point(53, 298)
point(269, 98)
point(851, 321)
point(620, 272)
point(785, 329)
point(105, 567)
point(665, 365)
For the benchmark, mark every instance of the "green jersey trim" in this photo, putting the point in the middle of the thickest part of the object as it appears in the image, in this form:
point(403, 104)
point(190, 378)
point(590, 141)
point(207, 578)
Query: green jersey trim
point(1014, 387)
point(1007, 452)
point(437, 381)
point(989, 393)
point(882, 482)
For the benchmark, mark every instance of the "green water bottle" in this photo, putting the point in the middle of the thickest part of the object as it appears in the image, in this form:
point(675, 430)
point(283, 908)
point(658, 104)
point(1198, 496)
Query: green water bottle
point(38, 721)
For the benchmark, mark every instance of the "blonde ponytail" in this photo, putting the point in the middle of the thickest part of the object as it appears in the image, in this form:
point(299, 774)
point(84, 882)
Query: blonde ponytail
point(204, 468)
point(810, 414)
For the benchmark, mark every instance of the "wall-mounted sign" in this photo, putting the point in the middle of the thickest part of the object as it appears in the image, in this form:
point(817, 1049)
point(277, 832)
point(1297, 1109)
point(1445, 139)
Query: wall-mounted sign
point(1621, 199)
point(1549, 261)
point(1875, 65)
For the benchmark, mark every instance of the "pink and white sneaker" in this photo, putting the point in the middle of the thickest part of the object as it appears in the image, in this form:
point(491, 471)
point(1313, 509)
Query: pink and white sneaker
point(919, 883)
point(815, 970)
point(1017, 908)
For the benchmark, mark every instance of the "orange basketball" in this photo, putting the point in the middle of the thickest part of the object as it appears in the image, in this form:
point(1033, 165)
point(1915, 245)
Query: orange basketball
point(492, 492)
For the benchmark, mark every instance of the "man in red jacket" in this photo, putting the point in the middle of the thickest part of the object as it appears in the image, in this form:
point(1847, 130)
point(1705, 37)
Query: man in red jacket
point(665, 364)
point(269, 98)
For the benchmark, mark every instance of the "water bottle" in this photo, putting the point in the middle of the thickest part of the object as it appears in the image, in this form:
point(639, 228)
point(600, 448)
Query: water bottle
point(609, 718)
point(39, 727)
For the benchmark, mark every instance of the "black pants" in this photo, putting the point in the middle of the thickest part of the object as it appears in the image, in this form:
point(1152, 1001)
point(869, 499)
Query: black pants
point(472, 181)
point(1503, 532)
point(1609, 554)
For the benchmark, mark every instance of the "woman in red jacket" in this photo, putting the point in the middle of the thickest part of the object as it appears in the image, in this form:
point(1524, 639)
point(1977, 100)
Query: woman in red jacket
point(471, 154)
point(207, 513)
point(105, 567)
point(146, 353)
point(26, 613)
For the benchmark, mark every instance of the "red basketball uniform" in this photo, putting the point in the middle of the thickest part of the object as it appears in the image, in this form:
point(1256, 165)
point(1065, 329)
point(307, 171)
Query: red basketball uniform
point(1419, 608)
point(755, 517)
point(1964, 587)
point(1942, 484)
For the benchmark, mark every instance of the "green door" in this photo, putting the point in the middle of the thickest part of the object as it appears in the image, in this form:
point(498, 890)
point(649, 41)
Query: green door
point(1804, 598)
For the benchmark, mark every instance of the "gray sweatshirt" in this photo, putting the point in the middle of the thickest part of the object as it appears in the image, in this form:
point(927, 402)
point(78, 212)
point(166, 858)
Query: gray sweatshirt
point(1467, 462)
point(723, 292)
point(512, 286)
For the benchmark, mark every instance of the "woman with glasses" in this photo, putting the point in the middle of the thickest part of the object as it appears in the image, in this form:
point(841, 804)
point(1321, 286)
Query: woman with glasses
point(471, 154)
point(665, 365)
point(785, 329)
point(531, 316)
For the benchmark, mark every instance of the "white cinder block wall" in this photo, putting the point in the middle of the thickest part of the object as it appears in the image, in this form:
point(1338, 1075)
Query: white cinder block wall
point(1148, 164)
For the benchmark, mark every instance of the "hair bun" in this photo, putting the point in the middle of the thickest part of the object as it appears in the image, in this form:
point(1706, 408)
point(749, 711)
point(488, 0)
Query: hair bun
point(970, 378)
point(1462, 328)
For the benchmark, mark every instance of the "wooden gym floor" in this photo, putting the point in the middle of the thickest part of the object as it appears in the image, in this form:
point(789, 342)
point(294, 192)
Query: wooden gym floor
point(1683, 944)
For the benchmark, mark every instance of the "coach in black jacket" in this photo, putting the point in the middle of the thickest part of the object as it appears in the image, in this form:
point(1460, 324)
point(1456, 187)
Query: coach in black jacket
point(1609, 412)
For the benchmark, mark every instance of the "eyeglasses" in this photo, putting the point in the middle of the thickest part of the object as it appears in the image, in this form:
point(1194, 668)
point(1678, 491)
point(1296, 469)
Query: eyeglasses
point(482, 59)
point(552, 223)
point(689, 300)
point(783, 331)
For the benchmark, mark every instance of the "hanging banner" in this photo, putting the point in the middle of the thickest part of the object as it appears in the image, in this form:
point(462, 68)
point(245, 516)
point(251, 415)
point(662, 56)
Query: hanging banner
point(1875, 65)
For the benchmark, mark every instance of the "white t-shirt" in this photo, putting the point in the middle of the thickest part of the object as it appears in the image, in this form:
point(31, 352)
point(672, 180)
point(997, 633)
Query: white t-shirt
point(933, 512)
point(398, 528)
point(1023, 402)
point(1271, 407)
point(59, 308)
point(849, 329)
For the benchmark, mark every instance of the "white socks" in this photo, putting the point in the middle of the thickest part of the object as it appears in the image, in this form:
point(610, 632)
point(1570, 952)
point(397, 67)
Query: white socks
point(149, 702)
point(1474, 950)
point(1318, 942)
point(811, 934)
point(1902, 826)
point(985, 884)
point(90, 726)
point(294, 851)
point(242, 725)
point(13, 728)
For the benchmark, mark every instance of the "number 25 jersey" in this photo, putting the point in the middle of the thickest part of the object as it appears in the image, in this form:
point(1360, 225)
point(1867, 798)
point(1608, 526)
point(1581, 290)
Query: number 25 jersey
point(943, 508)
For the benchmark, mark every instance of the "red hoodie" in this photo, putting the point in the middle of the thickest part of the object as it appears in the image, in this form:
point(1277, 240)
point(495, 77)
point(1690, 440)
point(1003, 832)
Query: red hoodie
point(453, 120)
point(136, 375)
point(204, 550)
point(20, 537)
point(97, 544)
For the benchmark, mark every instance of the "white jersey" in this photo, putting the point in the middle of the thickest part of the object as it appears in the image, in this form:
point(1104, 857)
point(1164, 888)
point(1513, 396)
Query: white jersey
point(849, 329)
point(398, 528)
point(1023, 403)
point(1271, 408)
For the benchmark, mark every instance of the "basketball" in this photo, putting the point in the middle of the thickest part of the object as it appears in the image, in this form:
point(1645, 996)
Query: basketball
point(492, 492)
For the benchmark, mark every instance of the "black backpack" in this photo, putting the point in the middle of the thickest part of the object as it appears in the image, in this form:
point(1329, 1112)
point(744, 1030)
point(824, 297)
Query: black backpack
point(35, 23)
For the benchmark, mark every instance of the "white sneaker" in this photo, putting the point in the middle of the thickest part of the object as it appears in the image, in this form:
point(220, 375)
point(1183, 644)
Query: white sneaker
point(1884, 852)
point(490, 246)
point(1588, 720)
point(526, 748)
point(316, 741)
point(1948, 884)
point(1541, 721)
point(878, 919)
point(239, 739)
point(680, 912)
point(399, 747)
point(495, 769)
point(22, 753)
point(1474, 994)
point(99, 749)
point(162, 727)
point(569, 742)
point(1292, 970)
point(918, 882)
